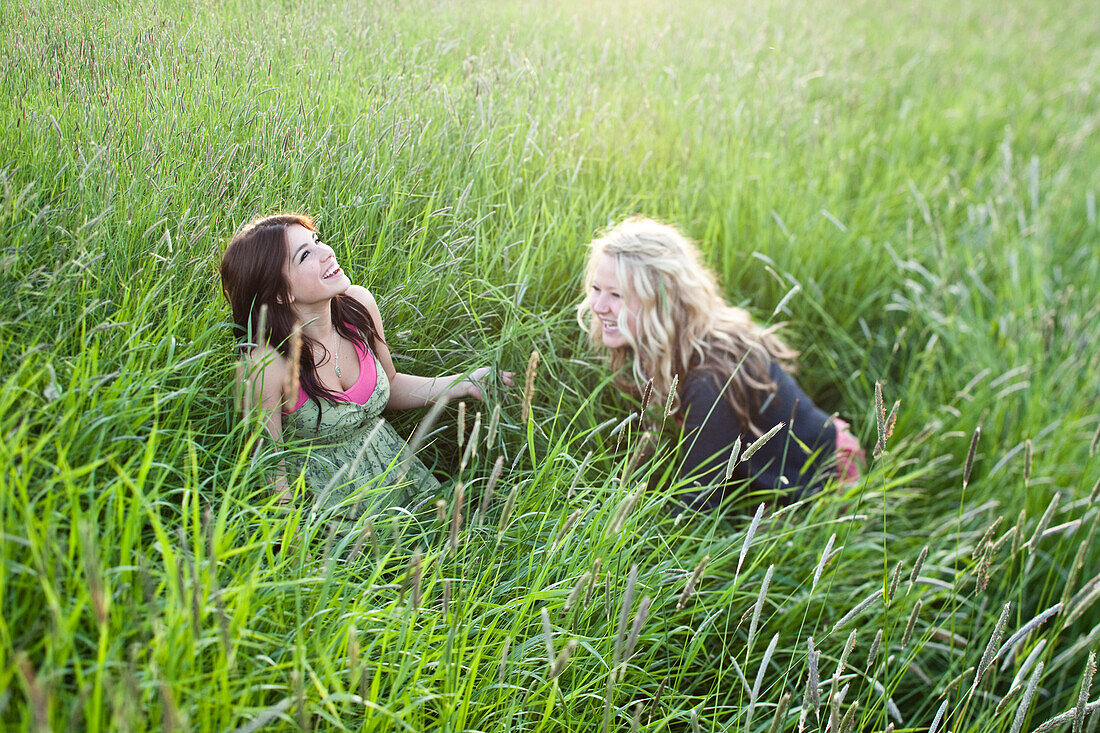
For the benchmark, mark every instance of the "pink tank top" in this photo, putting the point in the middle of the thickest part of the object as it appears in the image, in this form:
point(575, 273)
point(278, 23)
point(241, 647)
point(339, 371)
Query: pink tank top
point(359, 392)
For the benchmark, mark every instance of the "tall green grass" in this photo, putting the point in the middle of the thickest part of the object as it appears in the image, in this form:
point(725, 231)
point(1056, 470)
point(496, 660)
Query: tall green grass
point(919, 181)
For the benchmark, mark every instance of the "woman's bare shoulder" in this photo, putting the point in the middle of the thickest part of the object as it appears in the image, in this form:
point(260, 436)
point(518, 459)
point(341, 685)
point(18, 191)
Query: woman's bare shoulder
point(364, 296)
point(266, 360)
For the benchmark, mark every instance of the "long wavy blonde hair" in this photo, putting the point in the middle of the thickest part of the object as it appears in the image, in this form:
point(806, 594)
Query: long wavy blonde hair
point(683, 323)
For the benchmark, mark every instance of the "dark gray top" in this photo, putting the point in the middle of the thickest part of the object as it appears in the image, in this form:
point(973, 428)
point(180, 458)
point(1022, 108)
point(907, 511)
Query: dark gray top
point(797, 459)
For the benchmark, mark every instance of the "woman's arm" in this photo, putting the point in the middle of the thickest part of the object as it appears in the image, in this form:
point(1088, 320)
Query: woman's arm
point(408, 390)
point(264, 375)
point(710, 430)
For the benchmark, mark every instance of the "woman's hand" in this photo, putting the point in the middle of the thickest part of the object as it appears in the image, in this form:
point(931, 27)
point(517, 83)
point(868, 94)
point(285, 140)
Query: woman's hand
point(474, 385)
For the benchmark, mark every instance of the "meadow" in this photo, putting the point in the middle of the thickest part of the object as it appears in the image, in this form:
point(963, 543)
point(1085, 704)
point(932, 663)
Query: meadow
point(911, 188)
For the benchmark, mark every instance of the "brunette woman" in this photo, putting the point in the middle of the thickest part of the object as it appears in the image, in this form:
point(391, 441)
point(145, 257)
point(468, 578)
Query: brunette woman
point(319, 370)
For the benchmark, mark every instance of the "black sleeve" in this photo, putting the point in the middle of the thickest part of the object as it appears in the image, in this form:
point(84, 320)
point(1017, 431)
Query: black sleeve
point(710, 430)
point(794, 460)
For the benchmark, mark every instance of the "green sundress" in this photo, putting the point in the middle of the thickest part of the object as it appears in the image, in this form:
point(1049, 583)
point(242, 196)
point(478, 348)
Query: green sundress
point(354, 463)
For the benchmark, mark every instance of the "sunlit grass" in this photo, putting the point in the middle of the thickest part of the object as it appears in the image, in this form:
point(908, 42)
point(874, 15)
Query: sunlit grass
point(919, 181)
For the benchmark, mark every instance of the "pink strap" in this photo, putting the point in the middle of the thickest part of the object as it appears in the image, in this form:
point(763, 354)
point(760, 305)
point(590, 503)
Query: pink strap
point(359, 392)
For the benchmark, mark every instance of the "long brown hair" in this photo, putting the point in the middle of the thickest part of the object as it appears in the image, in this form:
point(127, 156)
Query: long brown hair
point(683, 321)
point(254, 280)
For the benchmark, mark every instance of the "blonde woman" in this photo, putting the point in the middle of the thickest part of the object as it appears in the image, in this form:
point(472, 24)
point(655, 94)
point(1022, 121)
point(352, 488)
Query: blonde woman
point(657, 310)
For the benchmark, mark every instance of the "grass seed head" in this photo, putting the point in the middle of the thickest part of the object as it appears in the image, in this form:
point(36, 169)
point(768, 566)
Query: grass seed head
point(1044, 522)
point(872, 653)
point(93, 574)
point(916, 568)
point(491, 432)
point(300, 700)
point(671, 399)
point(813, 681)
point(635, 631)
point(880, 421)
point(825, 554)
point(623, 511)
point(891, 421)
point(398, 532)
point(835, 701)
point(1025, 703)
point(330, 542)
point(1083, 695)
point(487, 494)
point(421, 434)
point(984, 542)
point(754, 694)
point(578, 588)
point(939, 716)
point(858, 609)
point(211, 547)
point(471, 446)
point(461, 424)
point(1060, 720)
point(757, 607)
point(780, 713)
point(647, 395)
point(656, 700)
point(1021, 633)
point(734, 455)
point(506, 513)
point(642, 451)
point(294, 359)
point(529, 387)
point(503, 660)
point(908, 634)
point(895, 578)
point(849, 645)
point(367, 534)
point(563, 658)
point(170, 714)
point(353, 657)
point(970, 456)
point(1025, 667)
point(560, 535)
point(849, 718)
point(991, 647)
point(748, 538)
point(761, 442)
point(592, 583)
point(37, 691)
point(689, 588)
point(577, 475)
point(1078, 563)
point(982, 576)
point(950, 688)
point(624, 614)
point(1021, 519)
point(547, 637)
point(456, 517)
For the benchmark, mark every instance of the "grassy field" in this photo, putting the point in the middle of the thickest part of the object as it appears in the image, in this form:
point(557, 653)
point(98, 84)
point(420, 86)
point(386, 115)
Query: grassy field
point(914, 186)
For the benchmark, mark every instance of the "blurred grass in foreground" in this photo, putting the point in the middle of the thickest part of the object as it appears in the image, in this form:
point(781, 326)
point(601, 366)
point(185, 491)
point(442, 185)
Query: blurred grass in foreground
point(924, 177)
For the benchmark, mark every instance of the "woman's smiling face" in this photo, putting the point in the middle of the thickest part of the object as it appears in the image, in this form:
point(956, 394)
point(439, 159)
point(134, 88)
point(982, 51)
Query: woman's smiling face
point(312, 273)
point(610, 306)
